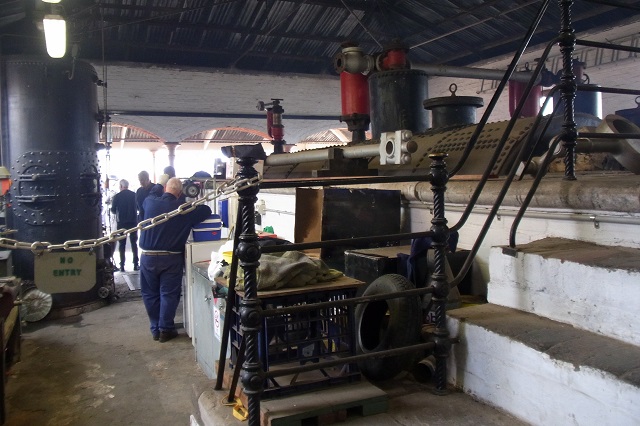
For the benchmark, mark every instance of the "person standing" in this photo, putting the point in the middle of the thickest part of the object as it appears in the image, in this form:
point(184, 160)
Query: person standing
point(169, 170)
point(143, 192)
point(123, 206)
point(162, 260)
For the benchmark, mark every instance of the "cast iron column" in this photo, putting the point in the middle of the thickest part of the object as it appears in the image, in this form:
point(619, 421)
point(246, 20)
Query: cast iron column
point(439, 177)
point(171, 146)
point(249, 255)
point(568, 88)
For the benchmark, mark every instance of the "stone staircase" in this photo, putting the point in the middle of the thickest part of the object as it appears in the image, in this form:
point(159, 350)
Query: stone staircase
point(559, 341)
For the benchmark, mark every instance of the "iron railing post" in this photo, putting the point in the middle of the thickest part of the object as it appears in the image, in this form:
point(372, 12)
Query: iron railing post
point(567, 43)
point(439, 178)
point(251, 318)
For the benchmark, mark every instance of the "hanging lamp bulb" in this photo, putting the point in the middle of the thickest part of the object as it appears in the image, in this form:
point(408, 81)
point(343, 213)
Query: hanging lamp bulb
point(109, 135)
point(55, 34)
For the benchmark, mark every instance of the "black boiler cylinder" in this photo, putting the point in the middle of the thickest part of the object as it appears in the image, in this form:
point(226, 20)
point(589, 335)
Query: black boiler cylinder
point(396, 101)
point(49, 145)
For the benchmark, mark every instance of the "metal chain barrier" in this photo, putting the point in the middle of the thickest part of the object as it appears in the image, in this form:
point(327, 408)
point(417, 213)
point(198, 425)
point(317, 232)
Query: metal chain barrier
point(225, 189)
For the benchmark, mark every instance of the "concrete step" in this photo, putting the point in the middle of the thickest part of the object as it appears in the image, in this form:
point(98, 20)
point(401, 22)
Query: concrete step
point(593, 287)
point(542, 371)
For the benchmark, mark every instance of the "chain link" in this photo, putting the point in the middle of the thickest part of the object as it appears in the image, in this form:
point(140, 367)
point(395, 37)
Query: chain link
point(36, 247)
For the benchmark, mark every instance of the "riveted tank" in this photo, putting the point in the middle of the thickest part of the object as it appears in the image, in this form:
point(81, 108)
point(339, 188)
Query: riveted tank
point(49, 144)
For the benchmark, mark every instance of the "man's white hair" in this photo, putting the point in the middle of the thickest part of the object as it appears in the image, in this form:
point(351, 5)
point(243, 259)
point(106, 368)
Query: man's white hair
point(174, 185)
point(124, 183)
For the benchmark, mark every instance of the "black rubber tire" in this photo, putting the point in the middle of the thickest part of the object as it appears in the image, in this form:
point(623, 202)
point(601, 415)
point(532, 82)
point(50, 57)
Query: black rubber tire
point(387, 324)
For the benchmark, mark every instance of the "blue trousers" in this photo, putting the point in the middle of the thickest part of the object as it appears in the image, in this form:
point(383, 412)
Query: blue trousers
point(161, 286)
point(133, 240)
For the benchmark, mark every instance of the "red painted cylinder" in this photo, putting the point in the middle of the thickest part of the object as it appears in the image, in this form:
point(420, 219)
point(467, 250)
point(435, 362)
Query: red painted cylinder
point(394, 60)
point(354, 91)
point(531, 105)
point(277, 132)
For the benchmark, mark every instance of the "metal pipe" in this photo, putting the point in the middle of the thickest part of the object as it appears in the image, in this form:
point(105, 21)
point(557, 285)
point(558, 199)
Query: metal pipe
point(147, 113)
point(344, 302)
point(588, 135)
point(285, 159)
point(332, 363)
point(600, 45)
point(469, 72)
point(345, 242)
point(363, 151)
point(355, 180)
point(616, 90)
point(324, 154)
point(573, 217)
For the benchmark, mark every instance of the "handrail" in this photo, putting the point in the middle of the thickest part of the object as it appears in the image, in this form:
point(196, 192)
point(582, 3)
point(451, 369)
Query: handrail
point(614, 90)
point(540, 174)
point(599, 45)
point(505, 79)
point(503, 140)
point(536, 123)
point(527, 200)
point(547, 160)
point(494, 210)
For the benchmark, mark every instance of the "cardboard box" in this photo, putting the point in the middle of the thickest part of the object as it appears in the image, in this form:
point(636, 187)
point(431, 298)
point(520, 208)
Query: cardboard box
point(343, 213)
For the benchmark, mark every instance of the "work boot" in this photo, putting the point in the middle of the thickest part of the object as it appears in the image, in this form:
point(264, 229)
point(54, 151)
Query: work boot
point(136, 267)
point(122, 267)
point(167, 335)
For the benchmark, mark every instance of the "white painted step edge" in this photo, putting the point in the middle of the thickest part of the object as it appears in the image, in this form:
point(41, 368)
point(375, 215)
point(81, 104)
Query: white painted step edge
point(535, 388)
point(603, 301)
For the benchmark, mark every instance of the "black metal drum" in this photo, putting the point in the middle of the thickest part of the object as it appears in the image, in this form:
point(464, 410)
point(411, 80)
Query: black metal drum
point(49, 145)
point(396, 101)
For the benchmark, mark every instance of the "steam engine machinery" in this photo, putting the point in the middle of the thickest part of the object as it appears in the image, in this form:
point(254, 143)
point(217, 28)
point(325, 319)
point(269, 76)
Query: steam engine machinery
point(385, 92)
point(49, 145)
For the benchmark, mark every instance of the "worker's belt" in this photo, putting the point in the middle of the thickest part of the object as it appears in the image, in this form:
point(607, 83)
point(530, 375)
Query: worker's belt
point(160, 253)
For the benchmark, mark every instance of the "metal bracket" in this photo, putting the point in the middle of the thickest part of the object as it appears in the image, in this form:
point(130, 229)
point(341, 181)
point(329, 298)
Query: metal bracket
point(396, 147)
point(510, 251)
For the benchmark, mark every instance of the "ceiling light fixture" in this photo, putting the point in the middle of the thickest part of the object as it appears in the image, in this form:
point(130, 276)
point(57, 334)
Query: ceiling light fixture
point(51, 1)
point(55, 34)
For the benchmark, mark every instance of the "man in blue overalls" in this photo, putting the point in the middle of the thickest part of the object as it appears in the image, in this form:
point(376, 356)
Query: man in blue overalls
point(124, 207)
point(162, 260)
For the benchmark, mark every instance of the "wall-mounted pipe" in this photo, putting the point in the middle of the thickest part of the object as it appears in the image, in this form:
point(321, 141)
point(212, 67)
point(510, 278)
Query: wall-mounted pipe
point(147, 113)
point(468, 72)
point(323, 154)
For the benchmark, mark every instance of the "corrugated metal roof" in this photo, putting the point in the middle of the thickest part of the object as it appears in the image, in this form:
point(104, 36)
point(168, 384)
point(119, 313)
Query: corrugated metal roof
point(297, 35)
